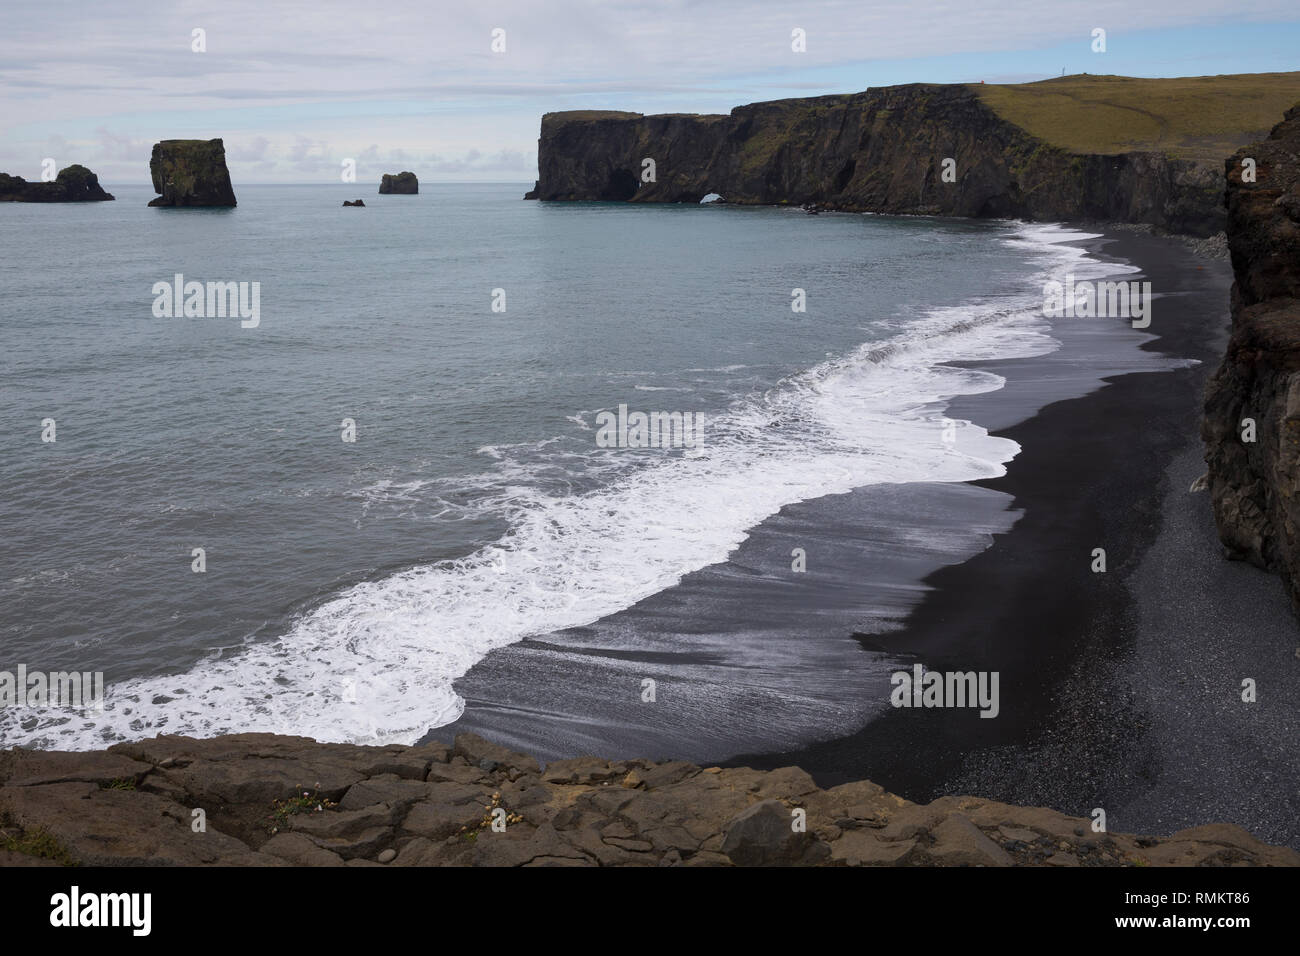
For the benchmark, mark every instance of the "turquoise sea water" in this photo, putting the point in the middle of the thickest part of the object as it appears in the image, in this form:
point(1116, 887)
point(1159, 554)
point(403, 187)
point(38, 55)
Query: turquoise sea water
point(348, 583)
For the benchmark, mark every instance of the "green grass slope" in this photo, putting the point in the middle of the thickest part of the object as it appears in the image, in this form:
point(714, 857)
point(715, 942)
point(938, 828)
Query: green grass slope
point(1201, 118)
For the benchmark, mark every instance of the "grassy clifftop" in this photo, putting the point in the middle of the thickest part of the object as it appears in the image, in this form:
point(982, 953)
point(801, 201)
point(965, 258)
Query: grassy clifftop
point(1079, 148)
point(570, 116)
point(1201, 118)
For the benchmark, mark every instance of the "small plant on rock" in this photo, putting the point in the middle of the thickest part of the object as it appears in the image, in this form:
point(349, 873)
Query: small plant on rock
point(489, 813)
point(306, 802)
point(38, 843)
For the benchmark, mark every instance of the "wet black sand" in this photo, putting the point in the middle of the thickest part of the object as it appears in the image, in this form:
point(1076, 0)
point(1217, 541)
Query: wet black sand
point(746, 654)
point(1117, 690)
point(1120, 690)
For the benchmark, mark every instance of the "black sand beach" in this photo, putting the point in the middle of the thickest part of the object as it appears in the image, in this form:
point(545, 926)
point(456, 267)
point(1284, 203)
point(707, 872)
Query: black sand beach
point(1101, 708)
point(1096, 710)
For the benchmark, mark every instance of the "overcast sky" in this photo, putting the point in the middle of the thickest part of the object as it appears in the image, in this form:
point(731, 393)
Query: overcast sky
point(295, 88)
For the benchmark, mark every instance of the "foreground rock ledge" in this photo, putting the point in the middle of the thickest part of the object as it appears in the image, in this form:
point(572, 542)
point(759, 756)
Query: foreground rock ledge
point(271, 801)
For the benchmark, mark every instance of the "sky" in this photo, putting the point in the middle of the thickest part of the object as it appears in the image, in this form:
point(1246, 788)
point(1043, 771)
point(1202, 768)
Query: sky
point(295, 89)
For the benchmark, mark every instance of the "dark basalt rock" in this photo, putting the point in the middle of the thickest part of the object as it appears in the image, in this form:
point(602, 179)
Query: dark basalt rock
point(354, 202)
point(73, 184)
point(276, 801)
point(1253, 483)
point(191, 172)
point(761, 835)
point(877, 151)
point(403, 183)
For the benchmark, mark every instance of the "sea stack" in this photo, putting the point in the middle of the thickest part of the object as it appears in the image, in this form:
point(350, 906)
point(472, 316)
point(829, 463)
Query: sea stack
point(404, 183)
point(74, 184)
point(191, 172)
point(1252, 404)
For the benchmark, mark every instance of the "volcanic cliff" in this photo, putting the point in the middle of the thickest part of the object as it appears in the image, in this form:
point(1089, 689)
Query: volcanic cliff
point(1252, 406)
point(883, 151)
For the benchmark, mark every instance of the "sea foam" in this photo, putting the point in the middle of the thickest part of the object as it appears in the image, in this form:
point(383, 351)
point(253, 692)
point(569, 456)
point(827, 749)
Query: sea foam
point(376, 662)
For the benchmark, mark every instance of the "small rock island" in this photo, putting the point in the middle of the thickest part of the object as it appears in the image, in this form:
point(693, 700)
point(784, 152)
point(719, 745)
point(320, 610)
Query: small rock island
point(191, 172)
point(73, 184)
point(403, 183)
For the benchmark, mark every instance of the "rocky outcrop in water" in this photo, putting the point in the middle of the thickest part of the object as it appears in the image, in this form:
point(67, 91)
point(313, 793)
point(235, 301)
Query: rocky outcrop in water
point(353, 202)
point(267, 800)
point(1252, 406)
point(191, 172)
point(403, 183)
point(880, 151)
point(74, 184)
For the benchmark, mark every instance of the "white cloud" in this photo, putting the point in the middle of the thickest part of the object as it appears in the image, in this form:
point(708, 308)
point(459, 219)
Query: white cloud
point(294, 84)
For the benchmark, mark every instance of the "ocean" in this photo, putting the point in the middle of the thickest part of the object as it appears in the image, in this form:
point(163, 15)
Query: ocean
point(473, 341)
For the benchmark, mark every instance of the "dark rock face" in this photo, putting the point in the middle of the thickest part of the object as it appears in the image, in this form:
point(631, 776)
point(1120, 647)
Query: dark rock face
point(353, 202)
point(403, 183)
point(274, 801)
point(763, 835)
point(879, 151)
point(1254, 484)
point(191, 172)
point(74, 184)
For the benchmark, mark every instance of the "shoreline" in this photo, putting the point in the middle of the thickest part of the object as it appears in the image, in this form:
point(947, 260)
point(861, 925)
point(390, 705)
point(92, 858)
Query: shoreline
point(1009, 591)
point(1105, 712)
point(1091, 473)
point(752, 658)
